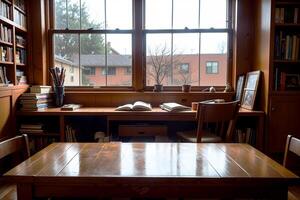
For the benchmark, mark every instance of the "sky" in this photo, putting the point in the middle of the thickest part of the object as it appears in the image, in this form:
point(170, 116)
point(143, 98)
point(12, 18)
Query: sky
point(159, 15)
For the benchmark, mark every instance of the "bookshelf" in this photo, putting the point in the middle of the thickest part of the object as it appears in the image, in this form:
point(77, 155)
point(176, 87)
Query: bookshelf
point(286, 59)
point(13, 42)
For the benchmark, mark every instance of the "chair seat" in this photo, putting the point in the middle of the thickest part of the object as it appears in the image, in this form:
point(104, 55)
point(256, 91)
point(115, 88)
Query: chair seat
point(8, 192)
point(294, 193)
point(191, 136)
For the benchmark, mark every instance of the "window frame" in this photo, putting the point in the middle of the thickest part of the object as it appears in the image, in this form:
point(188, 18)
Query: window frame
point(138, 34)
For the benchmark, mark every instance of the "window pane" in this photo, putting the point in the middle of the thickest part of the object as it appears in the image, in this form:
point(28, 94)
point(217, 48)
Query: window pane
point(158, 61)
point(66, 50)
point(92, 14)
point(119, 59)
point(92, 59)
point(158, 14)
point(186, 14)
point(119, 14)
point(73, 17)
point(186, 51)
point(213, 48)
point(213, 13)
point(60, 14)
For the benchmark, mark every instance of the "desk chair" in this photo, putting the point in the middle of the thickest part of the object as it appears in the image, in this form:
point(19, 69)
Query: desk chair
point(222, 115)
point(18, 148)
point(292, 161)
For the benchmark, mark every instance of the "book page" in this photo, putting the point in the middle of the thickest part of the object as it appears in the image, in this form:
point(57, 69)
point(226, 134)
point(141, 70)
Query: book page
point(142, 106)
point(126, 107)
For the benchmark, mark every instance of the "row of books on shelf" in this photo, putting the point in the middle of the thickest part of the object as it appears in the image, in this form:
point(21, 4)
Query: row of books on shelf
point(245, 135)
point(286, 81)
point(287, 15)
point(21, 56)
point(6, 54)
point(287, 46)
point(5, 10)
point(3, 76)
point(20, 18)
point(70, 134)
point(5, 33)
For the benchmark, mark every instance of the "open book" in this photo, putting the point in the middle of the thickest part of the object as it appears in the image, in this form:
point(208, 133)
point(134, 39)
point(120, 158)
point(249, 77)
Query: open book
point(70, 107)
point(137, 106)
point(173, 107)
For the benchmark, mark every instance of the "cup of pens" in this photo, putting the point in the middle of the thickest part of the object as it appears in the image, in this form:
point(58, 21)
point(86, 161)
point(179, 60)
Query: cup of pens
point(58, 77)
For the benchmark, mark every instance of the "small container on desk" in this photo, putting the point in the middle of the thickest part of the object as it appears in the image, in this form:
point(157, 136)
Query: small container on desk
point(59, 95)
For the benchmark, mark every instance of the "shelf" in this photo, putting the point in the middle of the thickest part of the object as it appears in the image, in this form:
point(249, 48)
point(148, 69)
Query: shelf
point(286, 93)
point(44, 134)
point(6, 43)
point(287, 25)
point(20, 28)
point(6, 1)
point(20, 64)
point(12, 23)
point(21, 46)
point(6, 63)
point(287, 61)
point(286, 3)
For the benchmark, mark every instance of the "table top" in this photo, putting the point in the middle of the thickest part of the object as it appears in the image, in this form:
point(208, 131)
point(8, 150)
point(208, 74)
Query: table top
point(112, 112)
point(214, 161)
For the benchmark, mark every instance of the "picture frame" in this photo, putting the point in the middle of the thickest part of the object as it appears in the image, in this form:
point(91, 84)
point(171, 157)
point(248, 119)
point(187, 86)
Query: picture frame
point(292, 81)
point(239, 87)
point(250, 90)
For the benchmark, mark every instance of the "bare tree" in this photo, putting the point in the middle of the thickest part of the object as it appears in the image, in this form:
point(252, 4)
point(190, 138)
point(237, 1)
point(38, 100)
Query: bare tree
point(159, 63)
point(185, 76)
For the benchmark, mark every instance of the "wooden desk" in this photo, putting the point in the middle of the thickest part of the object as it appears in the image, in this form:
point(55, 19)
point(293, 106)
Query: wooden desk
point(156, 114)
point(170, 170)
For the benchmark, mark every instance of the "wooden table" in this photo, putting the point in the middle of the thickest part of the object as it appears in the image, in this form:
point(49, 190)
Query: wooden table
point(157, 114)
point(150, 170)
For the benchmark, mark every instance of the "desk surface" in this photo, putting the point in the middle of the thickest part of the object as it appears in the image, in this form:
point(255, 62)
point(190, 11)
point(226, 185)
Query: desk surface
point(110, 111)
point(118, 165)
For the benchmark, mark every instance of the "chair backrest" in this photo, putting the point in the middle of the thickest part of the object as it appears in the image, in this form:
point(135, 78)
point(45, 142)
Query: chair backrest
point(16, 145)
point(223, 114)
point(291, 158)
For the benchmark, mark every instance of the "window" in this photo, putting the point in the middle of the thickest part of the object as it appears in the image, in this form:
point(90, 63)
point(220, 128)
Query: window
point(212, 67)
point(169, 34)
point(111, 71)
point(89, 71)
point(72, 79)
point(185, 68)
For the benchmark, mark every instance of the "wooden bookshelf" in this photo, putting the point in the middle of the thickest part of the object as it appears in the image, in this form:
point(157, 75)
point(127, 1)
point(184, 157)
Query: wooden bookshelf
point(13, 29)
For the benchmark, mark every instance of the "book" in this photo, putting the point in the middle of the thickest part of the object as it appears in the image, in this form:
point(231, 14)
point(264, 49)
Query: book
point(174, 107)
point(40, 89)
point(137, 106)
point(70, 107)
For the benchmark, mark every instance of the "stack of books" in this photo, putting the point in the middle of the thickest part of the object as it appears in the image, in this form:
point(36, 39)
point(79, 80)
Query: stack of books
point(31, 128)
point(174, 107)
point(38, 99)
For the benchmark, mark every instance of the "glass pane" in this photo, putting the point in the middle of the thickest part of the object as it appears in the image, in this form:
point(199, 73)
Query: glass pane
point(60, 14)
point(92, 59)
point(158, 59)
point(158, 14)
point(73, 17)
point(92, 14)
point(66, 51)
point(186, 55)
point(214, 49)
point(119, 14)
point(213, 13)
point(186, 14)
point(119, 60)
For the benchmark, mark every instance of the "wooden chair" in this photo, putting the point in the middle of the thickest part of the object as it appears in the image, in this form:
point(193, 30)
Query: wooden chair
point(18, 148)
point(221, 115)
point(292, 161)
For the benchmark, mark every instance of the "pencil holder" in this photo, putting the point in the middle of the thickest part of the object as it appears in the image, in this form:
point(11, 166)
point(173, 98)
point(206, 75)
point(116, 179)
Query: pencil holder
point(59, 95)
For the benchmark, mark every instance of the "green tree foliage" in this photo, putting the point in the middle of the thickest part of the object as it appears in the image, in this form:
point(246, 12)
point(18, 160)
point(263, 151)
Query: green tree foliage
point(67, 45)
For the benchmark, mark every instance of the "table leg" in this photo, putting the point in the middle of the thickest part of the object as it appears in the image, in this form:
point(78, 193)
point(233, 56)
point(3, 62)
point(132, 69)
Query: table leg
point(24, 191)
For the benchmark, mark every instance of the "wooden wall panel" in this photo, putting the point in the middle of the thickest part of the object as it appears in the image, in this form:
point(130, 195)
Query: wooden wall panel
point(5, 115)
point(262, 43)
point(243, 38)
